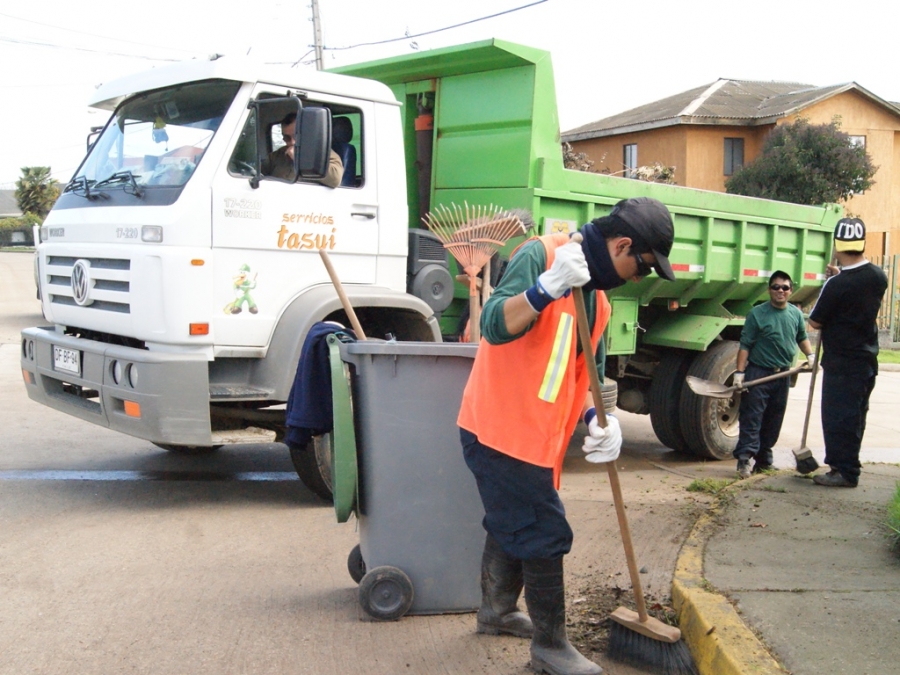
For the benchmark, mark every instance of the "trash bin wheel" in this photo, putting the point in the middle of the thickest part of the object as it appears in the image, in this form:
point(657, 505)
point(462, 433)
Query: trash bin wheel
point(386, 593)
point(356, 565)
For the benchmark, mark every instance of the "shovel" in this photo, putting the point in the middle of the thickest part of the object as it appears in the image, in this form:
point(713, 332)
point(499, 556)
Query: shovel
point(716, 390)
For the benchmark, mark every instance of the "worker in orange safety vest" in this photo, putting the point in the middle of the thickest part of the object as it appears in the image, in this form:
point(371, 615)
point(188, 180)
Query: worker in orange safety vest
point(527, 390)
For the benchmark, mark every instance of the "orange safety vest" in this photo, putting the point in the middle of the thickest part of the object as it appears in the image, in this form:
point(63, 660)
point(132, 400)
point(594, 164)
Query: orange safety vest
point(524, 398)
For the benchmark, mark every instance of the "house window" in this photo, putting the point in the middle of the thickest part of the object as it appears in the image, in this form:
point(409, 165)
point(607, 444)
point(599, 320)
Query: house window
point(734, 155)
point(629, 159)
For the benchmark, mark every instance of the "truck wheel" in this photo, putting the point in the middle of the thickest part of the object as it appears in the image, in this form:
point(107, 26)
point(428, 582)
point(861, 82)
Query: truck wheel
point(710, 425)
point(188, 449)
point(313, 465)
point(665, 398)
point(386, 593)
point(356, 565)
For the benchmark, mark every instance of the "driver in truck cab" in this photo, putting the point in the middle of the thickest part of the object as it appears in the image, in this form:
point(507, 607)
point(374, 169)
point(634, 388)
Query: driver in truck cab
point(280, 163)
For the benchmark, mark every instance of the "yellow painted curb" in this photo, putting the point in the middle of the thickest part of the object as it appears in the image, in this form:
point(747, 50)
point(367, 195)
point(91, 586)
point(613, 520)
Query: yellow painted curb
point(720, 642)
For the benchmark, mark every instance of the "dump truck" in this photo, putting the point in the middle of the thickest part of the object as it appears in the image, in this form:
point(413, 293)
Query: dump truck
point(180, 280)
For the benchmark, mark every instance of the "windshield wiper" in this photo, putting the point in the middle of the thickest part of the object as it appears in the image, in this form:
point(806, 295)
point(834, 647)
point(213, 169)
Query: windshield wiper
point(85, 184)
point(131, 186)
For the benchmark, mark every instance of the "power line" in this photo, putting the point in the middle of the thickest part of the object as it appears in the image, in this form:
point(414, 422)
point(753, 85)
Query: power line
point(102, 37)
point(34, 43)
point(437, 30)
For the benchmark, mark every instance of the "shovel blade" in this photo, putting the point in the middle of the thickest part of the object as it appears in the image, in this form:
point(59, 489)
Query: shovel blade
point(709, 388)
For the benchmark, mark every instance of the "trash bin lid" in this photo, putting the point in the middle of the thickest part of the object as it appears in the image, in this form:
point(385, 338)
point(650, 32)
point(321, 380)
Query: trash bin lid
point(345, 483)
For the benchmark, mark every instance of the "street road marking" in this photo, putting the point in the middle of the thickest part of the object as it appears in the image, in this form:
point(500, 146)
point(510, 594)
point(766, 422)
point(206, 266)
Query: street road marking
point(150, 475)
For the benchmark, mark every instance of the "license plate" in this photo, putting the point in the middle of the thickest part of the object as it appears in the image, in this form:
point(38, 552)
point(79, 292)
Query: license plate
point(68, 360)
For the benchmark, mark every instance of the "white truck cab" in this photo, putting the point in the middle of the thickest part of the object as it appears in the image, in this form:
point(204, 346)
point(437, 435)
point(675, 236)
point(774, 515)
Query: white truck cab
point(181, 281)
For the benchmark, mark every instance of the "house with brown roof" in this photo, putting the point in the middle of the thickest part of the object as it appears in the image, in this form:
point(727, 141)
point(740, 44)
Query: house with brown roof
point(709, 132)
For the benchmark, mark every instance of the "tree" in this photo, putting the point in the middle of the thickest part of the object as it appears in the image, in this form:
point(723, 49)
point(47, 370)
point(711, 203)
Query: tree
point(36, 190)
point(806, 163)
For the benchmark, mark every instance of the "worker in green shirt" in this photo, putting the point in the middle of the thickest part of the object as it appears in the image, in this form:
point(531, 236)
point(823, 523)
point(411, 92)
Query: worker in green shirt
point(769, 341)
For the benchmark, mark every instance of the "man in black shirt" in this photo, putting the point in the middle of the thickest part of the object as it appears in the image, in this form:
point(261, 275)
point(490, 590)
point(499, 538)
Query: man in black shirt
point(845, 314)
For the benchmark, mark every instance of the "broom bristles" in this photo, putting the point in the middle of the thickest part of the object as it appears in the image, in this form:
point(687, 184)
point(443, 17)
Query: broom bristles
point(805, 461)
point(663, 658)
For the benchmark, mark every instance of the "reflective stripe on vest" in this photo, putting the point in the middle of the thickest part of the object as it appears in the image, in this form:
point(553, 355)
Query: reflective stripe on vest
point(559, 359)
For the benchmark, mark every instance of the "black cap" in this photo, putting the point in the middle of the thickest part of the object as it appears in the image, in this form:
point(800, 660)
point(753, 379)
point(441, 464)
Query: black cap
point(652, 222)
point(850, 235)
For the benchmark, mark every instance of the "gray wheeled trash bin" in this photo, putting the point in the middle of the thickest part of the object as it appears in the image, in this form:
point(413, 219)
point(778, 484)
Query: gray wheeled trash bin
point(420, 514)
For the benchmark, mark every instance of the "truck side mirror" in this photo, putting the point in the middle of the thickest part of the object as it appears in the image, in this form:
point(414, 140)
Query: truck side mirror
point(315, 142)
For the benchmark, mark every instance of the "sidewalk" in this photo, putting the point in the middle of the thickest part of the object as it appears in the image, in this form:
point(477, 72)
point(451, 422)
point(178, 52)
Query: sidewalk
point(789, 572)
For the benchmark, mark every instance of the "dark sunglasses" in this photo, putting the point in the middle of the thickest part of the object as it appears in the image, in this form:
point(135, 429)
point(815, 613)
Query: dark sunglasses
point(643, 268)
point(780, 287)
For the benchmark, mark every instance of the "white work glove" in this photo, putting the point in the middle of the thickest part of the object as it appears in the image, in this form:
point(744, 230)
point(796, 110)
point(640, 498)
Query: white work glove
point(569, 269)
point(811, 360)
point(602, 444)
point(737, 380)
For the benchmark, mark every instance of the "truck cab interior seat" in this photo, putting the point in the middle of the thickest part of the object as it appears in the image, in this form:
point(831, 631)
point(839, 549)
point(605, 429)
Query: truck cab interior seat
point(341, 134)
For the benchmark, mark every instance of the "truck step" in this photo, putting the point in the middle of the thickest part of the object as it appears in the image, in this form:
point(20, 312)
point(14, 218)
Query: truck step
point(218, 392)
point(248, 435)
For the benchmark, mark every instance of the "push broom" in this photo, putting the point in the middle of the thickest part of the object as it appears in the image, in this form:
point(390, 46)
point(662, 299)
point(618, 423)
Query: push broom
point(803, 457)
point(472, 236)
point(636, 638)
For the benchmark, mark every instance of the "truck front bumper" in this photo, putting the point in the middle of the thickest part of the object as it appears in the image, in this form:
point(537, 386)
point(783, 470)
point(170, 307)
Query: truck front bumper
point(157, 396)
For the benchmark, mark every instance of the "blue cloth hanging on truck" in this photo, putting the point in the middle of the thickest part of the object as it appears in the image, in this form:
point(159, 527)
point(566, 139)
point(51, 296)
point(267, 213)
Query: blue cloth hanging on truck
point(310, 410)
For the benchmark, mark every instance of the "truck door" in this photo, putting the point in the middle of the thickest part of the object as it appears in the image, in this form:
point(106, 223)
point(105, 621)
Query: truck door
point(266, 238)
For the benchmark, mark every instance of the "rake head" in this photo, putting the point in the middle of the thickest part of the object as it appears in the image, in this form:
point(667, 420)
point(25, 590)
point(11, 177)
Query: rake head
point(473, 234)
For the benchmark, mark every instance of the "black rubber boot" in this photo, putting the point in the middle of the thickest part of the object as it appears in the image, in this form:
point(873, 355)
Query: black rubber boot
point(545, 595)
point(501, 584)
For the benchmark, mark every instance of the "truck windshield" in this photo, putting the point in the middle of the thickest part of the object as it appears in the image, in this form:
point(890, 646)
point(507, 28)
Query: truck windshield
point(155, 139)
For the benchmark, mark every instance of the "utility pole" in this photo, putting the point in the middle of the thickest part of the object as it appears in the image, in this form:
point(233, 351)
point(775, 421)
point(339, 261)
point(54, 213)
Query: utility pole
point(317, 34)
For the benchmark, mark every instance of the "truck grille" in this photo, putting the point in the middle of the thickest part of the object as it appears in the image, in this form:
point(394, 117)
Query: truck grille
point(109, 288)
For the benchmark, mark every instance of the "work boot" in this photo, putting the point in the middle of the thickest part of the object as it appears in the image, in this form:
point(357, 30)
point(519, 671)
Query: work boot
point(833, 479)
point(501, 584)
point(743, 468)
point(545, 595)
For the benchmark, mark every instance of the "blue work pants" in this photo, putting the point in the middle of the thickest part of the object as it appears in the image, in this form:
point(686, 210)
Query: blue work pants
point(522, 509)
point(845, 404)
point(761, 415)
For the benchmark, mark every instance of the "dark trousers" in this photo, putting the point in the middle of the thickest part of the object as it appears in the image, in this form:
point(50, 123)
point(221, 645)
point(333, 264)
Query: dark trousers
point(761, 415)
point(845, 404)
point(522, 509)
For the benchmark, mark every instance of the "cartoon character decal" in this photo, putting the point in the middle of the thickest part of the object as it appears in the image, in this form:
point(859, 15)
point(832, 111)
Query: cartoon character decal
point(243, 284)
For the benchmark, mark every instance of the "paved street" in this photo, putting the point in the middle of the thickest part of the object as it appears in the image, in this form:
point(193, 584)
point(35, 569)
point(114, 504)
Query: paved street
point(117, 556)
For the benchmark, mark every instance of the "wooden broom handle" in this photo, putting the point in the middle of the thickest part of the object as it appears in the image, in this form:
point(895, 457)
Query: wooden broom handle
point(587, 350)
point(345, 301)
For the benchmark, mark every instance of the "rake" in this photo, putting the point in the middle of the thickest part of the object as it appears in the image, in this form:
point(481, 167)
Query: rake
point(473, 235)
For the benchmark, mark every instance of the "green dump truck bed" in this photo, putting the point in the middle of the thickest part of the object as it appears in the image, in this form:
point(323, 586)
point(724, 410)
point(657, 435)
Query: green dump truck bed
point(481, 126)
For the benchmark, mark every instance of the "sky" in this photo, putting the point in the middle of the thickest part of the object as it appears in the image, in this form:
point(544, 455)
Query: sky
point(608, 55)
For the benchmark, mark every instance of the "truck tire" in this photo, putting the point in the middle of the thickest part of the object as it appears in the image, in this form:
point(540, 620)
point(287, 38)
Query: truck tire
point(710, 425)
point(188, 450)
point(665, 398)
point(313, 465)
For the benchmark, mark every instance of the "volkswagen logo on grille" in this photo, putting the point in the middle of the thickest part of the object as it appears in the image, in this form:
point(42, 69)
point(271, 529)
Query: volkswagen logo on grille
point(82, 283)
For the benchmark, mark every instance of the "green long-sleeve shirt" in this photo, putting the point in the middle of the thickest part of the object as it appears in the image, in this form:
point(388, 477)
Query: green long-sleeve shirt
point(521, 274)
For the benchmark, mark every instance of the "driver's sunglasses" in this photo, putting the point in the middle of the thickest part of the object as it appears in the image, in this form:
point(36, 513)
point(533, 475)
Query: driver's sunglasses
point(780, 287)
point(643, 267)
